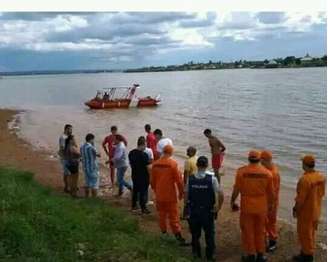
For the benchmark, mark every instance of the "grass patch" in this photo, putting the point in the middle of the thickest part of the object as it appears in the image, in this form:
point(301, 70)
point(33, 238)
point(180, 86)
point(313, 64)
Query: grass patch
point(36, 224)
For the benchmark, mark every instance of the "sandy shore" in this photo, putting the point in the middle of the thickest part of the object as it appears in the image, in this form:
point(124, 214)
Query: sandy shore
point(18, 153)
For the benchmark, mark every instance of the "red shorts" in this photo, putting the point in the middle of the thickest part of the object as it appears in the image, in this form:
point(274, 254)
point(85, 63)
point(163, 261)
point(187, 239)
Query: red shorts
point(217, 161)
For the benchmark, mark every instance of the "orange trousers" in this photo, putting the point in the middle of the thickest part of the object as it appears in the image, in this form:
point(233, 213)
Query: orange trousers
point(170, 211)
point(253, 232)
point(306, 235)
point(271, 225)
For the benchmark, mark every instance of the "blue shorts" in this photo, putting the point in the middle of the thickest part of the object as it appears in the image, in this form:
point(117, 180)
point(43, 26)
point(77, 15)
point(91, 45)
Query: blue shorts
point(64, 166)
point(92, 179)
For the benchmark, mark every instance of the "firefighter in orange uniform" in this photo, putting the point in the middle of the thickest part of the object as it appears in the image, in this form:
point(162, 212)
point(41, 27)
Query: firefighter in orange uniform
point(254, 184)
point(310, 191)
point(167, 183)
point(271, 225)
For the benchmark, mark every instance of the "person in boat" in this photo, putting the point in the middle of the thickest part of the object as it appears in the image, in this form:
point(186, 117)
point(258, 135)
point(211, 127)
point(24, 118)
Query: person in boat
point(161, 142)
point(90, 166)
point(106, 96)
point(120, 163)
point(109, 148)
point(140, 166)
point(98, 96)
point(68, 130)
point(217, 150)
point(167, 184)
point(204, 198)
point(151, 140)
point(72, 159)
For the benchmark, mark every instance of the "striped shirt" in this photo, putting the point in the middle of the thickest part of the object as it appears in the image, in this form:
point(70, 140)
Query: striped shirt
point(89, 158)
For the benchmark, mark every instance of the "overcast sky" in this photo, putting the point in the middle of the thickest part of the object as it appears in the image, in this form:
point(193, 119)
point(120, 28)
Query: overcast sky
point(47, 41)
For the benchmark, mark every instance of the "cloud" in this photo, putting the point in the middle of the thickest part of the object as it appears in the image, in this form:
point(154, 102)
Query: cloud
point(127, 37)
point(199, 22)
point(271, 17)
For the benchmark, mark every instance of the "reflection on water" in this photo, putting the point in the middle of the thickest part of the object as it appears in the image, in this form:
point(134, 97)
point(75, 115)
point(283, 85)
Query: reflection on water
point(280, 109)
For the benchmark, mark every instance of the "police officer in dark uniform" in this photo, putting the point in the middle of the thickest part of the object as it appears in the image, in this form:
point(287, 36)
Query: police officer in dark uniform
point(204, 199)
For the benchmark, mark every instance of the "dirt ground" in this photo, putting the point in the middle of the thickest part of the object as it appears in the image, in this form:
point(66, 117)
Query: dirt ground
point(18, 153)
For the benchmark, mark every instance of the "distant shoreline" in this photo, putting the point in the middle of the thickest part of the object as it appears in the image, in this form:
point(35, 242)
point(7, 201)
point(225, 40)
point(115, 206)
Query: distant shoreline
point(72, 72)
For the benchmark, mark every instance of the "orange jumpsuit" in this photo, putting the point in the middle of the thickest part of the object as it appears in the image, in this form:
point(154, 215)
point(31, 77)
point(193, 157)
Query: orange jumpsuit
point(254, 182)
point(271, 225)
point(167, 183)
point(310, 191)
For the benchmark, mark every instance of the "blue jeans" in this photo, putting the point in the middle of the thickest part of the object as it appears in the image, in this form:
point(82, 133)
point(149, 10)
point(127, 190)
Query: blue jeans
point(120, 179)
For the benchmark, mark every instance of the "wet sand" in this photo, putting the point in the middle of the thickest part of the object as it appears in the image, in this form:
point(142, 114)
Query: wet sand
point(18, 153)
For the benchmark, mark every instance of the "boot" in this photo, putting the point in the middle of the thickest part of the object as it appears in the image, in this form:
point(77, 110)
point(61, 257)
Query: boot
point(261, 258)
point(272, 246)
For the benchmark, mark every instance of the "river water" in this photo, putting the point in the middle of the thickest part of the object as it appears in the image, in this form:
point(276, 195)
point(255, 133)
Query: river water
point(283, 110)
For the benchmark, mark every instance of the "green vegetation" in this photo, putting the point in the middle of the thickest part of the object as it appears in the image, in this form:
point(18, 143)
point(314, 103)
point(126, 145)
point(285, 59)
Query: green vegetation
point(287, 62)
point(37, 224)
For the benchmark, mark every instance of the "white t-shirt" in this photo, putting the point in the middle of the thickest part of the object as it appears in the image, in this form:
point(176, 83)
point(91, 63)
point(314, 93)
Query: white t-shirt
point(149, 152)
point(162, 143)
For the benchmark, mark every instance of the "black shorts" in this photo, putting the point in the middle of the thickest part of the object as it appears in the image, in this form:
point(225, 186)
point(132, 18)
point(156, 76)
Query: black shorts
point(72, 166)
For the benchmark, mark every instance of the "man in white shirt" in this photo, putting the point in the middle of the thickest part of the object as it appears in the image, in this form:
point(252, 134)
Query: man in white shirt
point(161, 141)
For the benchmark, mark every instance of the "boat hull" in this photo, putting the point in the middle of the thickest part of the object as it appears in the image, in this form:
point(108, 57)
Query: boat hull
point(147, 102)
point(100, 104)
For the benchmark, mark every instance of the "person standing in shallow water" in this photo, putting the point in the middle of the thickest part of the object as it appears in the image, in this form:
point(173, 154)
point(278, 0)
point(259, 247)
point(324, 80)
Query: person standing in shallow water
point(89, 156)
point(72, 159)
point(307, 209)
point(68, 130)
point(217, 150)
point(140, 165)
point(204, 200)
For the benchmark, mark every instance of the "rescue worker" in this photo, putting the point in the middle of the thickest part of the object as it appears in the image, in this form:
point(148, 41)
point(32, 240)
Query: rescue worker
point(310, 191)
point(271, 225)
point(167, 184)
point(204, 200)
point(254, 184)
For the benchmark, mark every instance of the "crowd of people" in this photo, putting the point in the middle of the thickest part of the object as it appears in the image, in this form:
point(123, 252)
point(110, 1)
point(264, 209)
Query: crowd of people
point(153, 165)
